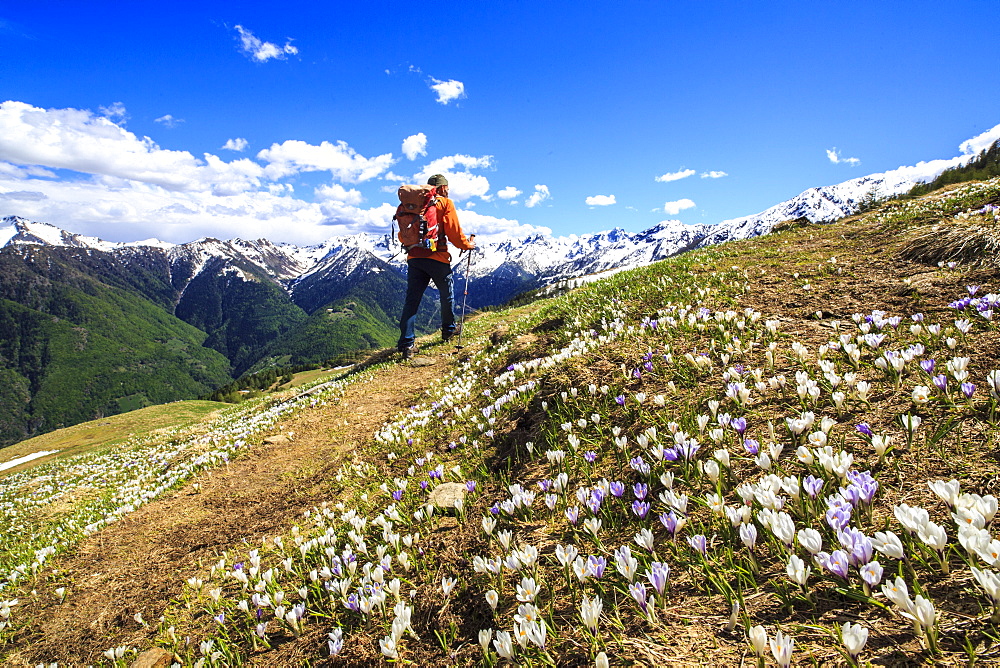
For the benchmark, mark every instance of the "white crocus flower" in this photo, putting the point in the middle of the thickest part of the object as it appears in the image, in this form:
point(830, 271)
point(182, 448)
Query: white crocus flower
point(492, 598)
point(758, 640)
point(811, 540)
point(797, 570)
point(504, 645)
point(781, 648)
point(854, 637)
point(590, 612)
point(899, 594)
point(888, 543)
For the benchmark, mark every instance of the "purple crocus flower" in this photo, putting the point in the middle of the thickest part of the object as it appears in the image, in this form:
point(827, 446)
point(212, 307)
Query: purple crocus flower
point(596, 566)
point(838, 517)
point(973, 289)
point(639, 465)
point(863, 428)
point(573, 514)
point(640, 508)
point(871, 573)
point(927, 366)
point(470, 486)
point(397, 495)
point(637, 374)
point(812, 485)
point(590, 456)
point(940, 382)
point(837, 563)
point(851, 494)
point(669, 522)
point(424, 484)
point(739, 425)
point(857, 544)
point(617, 489)
point(220, 618)
point(495, 509)
point(594, 503)
point(352, 603)
point(545, 485)
point(657, 575)
point(752, 446)
point(648, 366)
point(671, 455)
point(638, 591)
point(699, 543)
point(620, 400)
point(640, 489)
point(968, 389)
point(687, 449)
point(866, 484)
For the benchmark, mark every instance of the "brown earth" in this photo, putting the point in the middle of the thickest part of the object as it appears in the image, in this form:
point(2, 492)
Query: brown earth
point(138, 565)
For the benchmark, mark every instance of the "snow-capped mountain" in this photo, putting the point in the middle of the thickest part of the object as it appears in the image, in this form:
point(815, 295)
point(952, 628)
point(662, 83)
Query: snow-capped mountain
point(501, 269)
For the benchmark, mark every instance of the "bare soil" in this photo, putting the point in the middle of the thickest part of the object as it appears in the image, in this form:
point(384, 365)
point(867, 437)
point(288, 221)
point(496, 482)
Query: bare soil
point(138, 565)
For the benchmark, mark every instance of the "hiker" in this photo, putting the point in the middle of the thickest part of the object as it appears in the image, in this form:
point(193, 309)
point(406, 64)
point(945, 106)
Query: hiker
point(424, 265)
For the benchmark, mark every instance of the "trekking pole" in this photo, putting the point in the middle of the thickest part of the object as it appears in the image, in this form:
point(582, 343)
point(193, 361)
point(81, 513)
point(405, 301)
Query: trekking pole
point(465, 298)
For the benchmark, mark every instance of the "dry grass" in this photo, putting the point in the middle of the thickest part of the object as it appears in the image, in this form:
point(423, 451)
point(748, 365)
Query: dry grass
point(969, 243)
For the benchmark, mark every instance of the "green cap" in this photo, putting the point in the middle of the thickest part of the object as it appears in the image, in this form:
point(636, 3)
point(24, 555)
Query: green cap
point(437, 180)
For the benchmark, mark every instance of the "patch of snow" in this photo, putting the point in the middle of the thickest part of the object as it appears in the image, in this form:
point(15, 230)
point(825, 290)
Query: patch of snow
point(27, 458)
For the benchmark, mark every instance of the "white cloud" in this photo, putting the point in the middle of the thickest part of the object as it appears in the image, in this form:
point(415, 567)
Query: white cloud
point(78, 140)
point(415, 145)
point(168, 121)
point(122, 210)
point(448, 90)
point(835, 158)
point(675, 176)
point(713, 175)
point(673, 208)
point(338, 193)
point(490, 229)
point(600, 200)
point(510, 192)
point(346, 164)
point(980, 142)
point(262, 51)
point(23, 172)
point(115, 112)
point(238, 144)
point(540, 195)
point(462, 184)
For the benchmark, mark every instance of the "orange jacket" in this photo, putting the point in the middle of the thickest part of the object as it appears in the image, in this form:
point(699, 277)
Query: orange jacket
point(447, 221)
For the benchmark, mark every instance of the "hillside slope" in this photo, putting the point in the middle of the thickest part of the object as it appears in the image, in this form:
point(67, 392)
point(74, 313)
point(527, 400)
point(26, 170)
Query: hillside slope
point(660, 466)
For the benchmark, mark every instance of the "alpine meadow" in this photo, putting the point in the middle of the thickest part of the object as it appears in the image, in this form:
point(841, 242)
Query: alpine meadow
point(475, 334)
point(778, 449)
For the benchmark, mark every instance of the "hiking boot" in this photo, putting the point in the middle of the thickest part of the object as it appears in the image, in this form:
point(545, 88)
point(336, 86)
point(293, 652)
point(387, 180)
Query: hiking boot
point(448, 336)
point(408, 353)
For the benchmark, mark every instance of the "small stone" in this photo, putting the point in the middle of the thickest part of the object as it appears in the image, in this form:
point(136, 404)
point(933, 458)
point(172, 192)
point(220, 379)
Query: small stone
point(154, 658)
point(445, 495)
point(423, 360)
point(278, 439)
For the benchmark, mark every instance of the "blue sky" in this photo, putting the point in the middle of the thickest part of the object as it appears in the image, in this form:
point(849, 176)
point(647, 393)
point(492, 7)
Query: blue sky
point(297, 121)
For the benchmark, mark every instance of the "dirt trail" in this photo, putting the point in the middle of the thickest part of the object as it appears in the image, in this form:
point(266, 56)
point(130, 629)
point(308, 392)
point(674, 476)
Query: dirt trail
point(139, 564)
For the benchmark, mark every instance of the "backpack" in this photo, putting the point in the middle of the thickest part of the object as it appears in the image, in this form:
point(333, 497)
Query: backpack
point(417, 216)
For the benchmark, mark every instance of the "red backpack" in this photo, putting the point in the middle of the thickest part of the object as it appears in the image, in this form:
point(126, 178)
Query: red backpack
point(417, 216)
